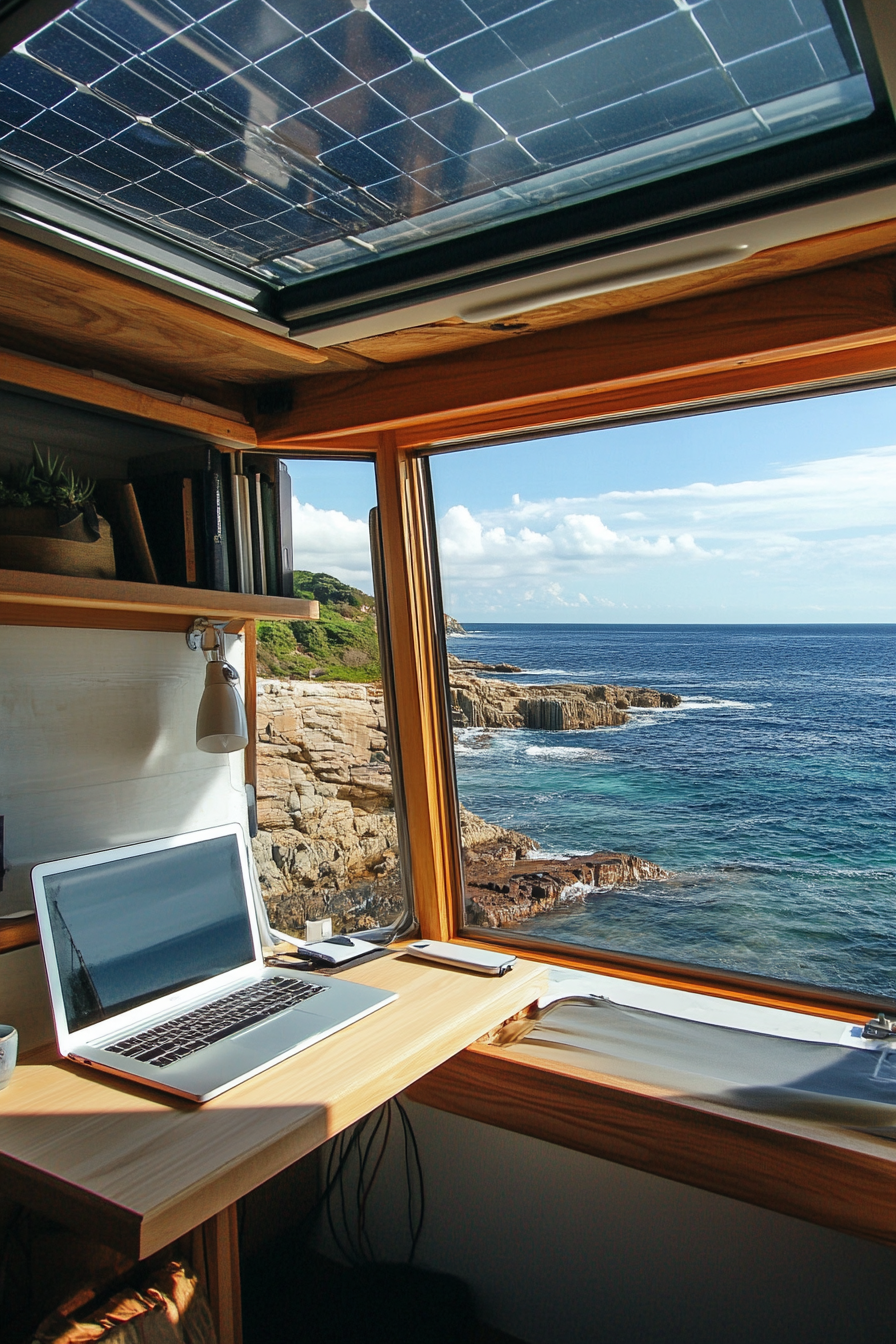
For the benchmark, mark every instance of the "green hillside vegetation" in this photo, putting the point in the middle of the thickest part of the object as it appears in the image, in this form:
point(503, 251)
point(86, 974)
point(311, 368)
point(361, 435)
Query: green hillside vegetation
point(341, 646)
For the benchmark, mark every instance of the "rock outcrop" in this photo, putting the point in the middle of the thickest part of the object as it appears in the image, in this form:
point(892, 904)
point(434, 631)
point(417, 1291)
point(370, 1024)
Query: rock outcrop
point(327, 842)
point(478, 702)
point(473, 665)
point(502, 890)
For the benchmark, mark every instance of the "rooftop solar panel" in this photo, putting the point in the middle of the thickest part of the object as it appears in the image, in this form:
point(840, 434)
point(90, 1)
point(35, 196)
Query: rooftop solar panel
point(292, 136)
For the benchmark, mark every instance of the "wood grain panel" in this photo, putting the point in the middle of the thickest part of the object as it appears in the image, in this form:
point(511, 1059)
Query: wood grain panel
point(15, 933)
point(122, 326)
point(19, 372)
point(440, 338)
point(434, 867)
point(833, 1177)
point(216, 1255)
point(805, 317)
point(97, 618)
point(110, 595)
point(136, 1169)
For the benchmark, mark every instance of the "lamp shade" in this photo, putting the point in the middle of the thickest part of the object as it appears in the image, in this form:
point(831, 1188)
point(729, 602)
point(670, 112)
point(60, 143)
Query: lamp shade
point(221, 722)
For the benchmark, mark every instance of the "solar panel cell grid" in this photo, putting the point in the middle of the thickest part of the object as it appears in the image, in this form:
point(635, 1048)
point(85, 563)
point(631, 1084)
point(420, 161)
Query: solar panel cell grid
point(269, 129)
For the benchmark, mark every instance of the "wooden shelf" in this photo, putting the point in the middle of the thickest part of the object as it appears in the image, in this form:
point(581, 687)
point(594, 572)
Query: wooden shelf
point(57, 599)
point(15, 933)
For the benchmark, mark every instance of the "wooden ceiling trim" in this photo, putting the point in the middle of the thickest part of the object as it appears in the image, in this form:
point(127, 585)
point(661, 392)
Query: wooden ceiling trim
point(21, 372)
point(802, 317)
point(787, 375)
point(439, 338)
point(123, 325)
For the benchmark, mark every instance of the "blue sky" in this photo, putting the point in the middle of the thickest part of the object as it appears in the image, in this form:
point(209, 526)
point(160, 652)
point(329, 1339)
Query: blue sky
point(784, 512)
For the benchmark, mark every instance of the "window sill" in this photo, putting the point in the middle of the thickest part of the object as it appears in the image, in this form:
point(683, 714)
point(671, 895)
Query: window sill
point(811, 1169)
point(835, 1177)
point(696, 981)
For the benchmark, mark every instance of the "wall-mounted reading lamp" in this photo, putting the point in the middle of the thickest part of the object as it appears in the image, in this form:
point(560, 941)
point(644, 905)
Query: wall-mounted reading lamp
point(221, 721)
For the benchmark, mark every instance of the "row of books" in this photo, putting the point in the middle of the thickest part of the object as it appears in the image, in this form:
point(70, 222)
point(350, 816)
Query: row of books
point(199, 517)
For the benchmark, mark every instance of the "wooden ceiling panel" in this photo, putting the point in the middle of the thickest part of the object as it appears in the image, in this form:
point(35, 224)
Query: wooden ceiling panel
point(67, 310)
point(452, 335)
point(783, 320)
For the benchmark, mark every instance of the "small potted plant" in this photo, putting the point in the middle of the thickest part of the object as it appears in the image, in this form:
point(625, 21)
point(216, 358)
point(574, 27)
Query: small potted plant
point(49, 524)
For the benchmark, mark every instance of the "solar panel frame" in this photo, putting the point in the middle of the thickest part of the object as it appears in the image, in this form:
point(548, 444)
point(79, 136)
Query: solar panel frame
point(386, 124)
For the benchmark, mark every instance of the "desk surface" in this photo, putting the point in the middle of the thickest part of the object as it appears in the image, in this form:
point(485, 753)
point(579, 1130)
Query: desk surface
point(135, 1168)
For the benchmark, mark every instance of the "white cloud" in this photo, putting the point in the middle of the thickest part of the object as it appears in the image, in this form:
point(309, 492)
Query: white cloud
point(329, 541)
point(578, 537)
point(825, 528)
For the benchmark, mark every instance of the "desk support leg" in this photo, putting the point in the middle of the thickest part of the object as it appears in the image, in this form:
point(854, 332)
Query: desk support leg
point(216, 1256)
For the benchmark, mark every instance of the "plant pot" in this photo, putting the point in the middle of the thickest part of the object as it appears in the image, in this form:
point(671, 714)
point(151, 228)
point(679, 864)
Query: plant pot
point(32, 539)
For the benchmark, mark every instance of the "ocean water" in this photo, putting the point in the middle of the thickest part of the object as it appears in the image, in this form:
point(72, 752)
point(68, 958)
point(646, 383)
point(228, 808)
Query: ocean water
point(769, 794)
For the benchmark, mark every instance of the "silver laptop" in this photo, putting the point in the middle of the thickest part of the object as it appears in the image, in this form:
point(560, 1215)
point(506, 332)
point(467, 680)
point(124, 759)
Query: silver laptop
point(155, 969)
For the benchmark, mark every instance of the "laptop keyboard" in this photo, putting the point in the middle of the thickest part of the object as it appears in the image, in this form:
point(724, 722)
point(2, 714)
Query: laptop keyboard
point(170, 1041)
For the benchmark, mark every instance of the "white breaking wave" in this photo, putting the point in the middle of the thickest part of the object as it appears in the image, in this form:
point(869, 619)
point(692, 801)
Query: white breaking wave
point(571, 753)
point(711, 702)
point(560, 854)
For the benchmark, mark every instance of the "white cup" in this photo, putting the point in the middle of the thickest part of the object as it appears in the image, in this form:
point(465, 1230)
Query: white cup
point(9, 1048)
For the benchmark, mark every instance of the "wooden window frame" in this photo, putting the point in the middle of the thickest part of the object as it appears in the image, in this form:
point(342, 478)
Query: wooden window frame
point(821, 332)
point(812, 323)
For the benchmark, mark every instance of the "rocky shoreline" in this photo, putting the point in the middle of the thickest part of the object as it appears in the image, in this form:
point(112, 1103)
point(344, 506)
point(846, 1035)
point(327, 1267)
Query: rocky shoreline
point(479, 702)
point(327, 843)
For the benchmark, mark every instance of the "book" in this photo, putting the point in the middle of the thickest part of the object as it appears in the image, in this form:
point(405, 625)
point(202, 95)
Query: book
point(217, 571)
point(117, 502)
point(269, 504)
point(257, 532)
point(181, 502)
point(189, 530)
point(284, 530)
point(276, 520)
point(242, 528)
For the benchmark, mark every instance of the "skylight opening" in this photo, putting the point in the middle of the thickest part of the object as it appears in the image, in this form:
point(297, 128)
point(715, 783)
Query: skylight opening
point(292, 137)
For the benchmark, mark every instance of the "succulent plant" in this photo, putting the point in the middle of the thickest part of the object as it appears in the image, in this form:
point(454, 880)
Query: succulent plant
point(47, 482)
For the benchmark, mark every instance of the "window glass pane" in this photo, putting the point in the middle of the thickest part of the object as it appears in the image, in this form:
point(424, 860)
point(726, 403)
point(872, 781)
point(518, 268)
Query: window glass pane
point(327, 846)
point(674, 714)
point(296, 136)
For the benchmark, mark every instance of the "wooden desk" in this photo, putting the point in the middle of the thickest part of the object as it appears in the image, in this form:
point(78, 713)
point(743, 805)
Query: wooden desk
point(136, 1169)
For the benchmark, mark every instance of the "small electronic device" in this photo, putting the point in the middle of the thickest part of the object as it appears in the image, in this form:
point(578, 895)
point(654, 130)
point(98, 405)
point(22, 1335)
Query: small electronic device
point(336, 951)
point(462, 957)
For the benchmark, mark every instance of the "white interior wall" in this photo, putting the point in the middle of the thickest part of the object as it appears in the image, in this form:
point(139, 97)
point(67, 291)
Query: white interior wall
point(97, 748)
point(561, 1248)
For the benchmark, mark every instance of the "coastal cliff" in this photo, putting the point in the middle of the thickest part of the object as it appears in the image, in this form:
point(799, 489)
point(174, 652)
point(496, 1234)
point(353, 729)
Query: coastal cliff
point(327, 842)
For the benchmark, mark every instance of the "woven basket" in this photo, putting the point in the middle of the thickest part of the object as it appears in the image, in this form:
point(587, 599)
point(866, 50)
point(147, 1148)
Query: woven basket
point(31, 539)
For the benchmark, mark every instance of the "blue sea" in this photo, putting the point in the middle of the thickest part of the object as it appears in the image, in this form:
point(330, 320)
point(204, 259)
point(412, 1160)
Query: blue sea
point(769, 794)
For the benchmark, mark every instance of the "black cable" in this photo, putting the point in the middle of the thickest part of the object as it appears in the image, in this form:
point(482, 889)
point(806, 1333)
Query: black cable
point(414, 1229)
point(343, 1150)
point(364, 1195)
point(347, 1209)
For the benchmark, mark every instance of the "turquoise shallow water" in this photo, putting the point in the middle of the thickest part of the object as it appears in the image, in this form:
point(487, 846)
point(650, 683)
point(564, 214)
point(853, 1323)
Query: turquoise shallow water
point(769, 794)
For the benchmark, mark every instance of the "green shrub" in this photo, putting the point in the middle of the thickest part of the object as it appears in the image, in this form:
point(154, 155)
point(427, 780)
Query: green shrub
point(341, 646)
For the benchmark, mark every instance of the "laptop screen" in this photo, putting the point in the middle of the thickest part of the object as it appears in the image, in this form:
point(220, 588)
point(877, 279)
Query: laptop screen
point(132, 929)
